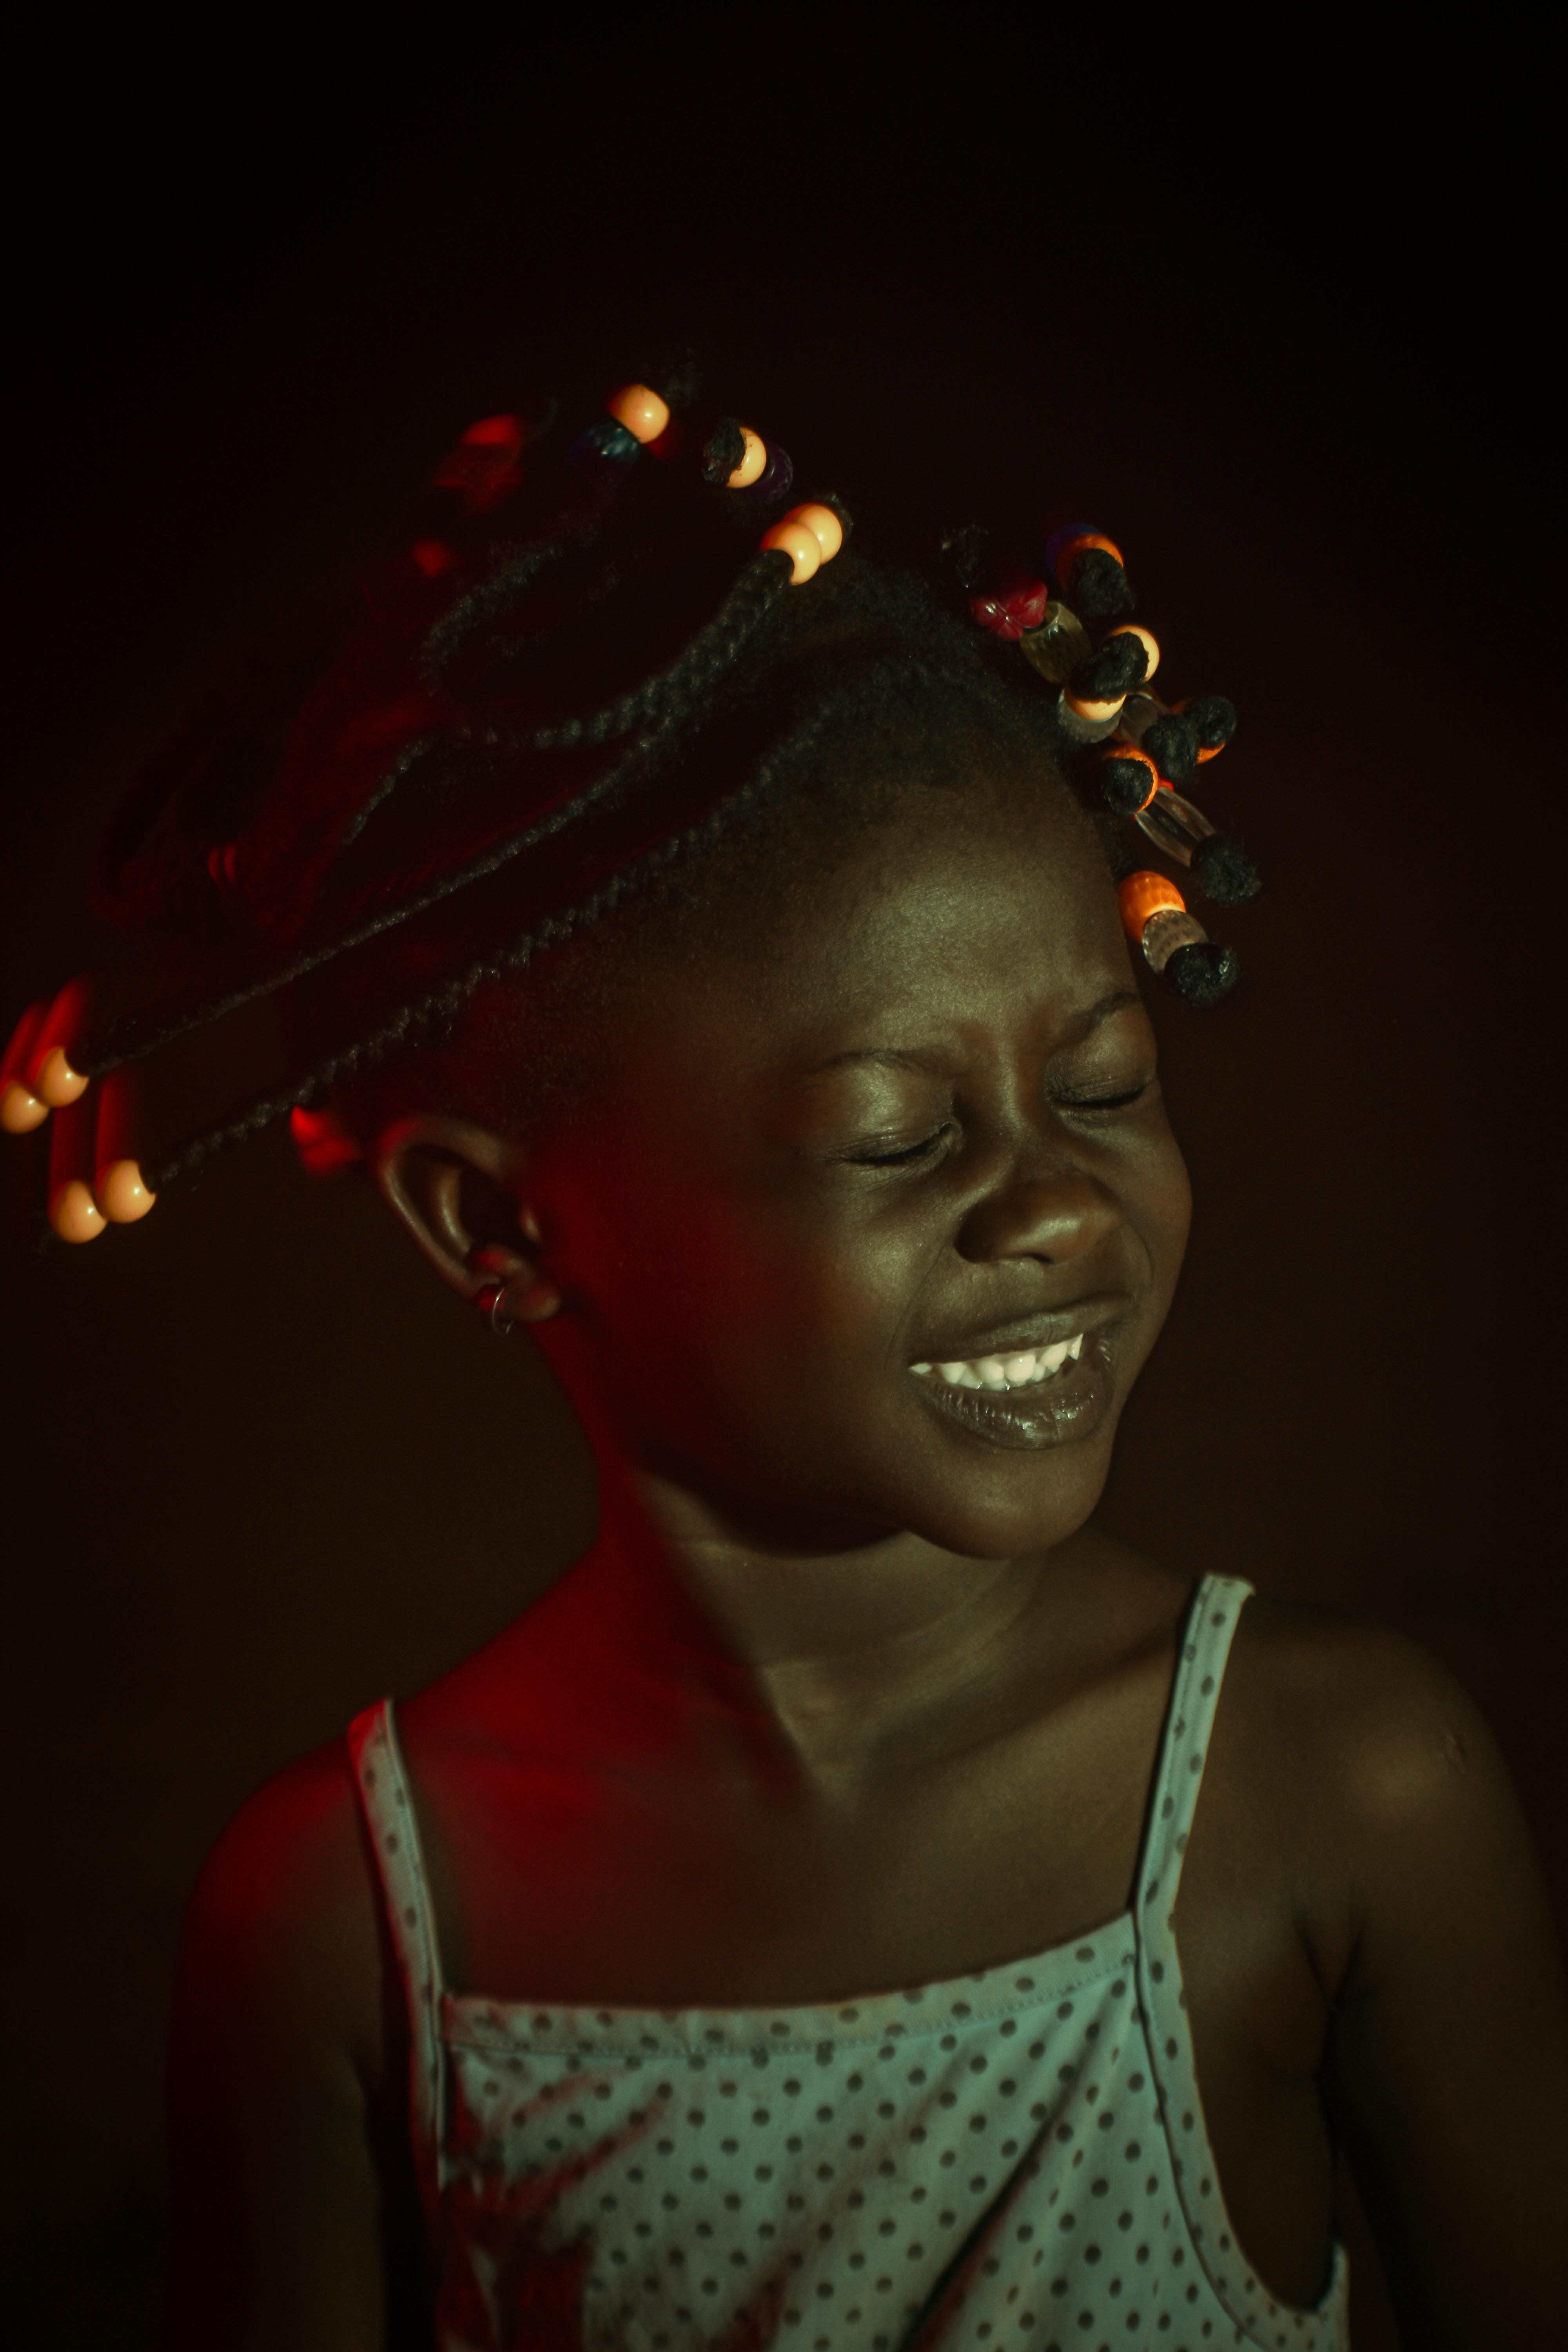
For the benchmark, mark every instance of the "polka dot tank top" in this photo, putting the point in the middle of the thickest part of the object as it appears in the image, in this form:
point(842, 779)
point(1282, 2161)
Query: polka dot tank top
point(1015, 2159)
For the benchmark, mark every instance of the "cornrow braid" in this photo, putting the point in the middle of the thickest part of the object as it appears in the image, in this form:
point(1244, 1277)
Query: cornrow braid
point(441, 1004)
point(715, 649)
point(133, 1041)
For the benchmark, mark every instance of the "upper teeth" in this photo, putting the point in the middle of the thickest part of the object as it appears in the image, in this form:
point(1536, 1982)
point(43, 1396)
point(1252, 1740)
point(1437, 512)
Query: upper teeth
point(1008, 1371)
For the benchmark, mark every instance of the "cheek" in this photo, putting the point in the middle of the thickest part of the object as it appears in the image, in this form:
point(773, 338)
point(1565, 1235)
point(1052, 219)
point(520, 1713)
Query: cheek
point(656, 1266)
point(1158, 1201)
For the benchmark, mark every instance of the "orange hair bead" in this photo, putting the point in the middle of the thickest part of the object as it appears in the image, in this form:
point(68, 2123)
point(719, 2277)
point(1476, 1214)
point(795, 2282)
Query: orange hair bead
point(74, 1213)
point(54, 1081)
point(755, 456)
point(823, 524)
point(800, 543)
point(1146, 639)
point(122, 1194)
point(20, 1111)
point(1144, 893)
point(48, 1072)
point(642, 412)
point(1081, 546)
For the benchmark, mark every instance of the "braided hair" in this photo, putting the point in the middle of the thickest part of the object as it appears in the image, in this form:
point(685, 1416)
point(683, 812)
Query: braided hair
point(587, 693)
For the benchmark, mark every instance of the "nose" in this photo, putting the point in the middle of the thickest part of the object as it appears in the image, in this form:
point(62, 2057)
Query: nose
point(1053, 1217)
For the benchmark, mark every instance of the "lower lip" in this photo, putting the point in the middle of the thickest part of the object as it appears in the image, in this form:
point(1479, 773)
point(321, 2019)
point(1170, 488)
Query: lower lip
point(1070, 1404)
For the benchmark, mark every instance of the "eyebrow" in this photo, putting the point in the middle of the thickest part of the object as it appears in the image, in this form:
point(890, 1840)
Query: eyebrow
point(900, 1057)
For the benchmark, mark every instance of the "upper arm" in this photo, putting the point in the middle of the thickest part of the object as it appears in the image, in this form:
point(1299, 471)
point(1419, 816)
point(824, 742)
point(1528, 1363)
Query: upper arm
point(278, 2201)
point(1446, 2068)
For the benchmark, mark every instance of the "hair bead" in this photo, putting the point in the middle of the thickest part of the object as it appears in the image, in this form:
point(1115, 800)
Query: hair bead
point(641, 410)
point(1212, 719)
point(1170, 738)
point(1058, 645)
point(606, 439)
point(1129, 779)
point(1172, 824)
point(74, 1213)
point(49, 1073)
point(72, 1210)
point(20, 1108)
point(810, 536)
point(1011, 606)
point(775, 482)
point(1065, 544)
point(122, 1194)
point(1146, 639)
point(1138, 896)
point(823, 524)
point(753, 463)
point(1098, 714)
point(800, 544)
point(119, 1188)
point(1087, 567)
point(1175, 943)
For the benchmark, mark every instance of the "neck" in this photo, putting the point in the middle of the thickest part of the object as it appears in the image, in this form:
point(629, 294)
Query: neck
point(814, 1664)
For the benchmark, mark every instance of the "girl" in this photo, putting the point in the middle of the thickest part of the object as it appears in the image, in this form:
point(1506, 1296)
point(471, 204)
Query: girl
point(861, 1905)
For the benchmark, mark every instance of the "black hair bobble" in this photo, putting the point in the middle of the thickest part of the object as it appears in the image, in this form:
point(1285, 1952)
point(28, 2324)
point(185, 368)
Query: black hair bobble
point(1121, 664)
point(1124, 784)
point(1097, 590)
point(1201, 972)
point(1171, 742)
point(1225, 871)
point(1212, 719)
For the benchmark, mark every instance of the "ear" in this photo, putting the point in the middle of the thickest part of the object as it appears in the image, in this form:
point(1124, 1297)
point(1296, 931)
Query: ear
point(461, 1192)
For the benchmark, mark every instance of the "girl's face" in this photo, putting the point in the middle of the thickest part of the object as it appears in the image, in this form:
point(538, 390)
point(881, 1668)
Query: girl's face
point(920, 1128)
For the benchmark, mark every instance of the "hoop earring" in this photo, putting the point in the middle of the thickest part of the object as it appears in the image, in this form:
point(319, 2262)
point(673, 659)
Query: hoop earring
point(490, 1302)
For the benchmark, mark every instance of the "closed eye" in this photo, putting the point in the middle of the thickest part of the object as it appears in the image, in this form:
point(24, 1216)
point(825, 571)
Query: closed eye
point(1101, 1102)
point(906, 1157)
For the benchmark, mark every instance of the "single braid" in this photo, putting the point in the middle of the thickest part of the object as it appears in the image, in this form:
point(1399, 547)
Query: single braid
point(714, 650)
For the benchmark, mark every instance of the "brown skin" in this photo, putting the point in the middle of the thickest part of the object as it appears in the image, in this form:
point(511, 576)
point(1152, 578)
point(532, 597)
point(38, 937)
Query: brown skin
point(847, 1697)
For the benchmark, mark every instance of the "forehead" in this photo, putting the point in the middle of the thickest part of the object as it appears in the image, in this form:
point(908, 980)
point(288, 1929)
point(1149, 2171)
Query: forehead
point(956, 919)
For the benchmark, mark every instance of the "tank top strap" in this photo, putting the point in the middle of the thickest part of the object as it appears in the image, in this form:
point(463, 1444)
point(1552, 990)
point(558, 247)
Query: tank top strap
point(388, 1810)
point(1211, 1622)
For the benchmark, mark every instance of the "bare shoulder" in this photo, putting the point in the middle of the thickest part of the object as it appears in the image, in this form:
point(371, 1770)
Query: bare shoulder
point(285, 1916)
point(1445, 2073)
point(1383, 1726)
point(1386, 1776)
point(291, 2196)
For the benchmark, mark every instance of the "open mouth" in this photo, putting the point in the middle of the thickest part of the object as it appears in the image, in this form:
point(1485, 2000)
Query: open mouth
point(1027, 1398)
point(998, 1374)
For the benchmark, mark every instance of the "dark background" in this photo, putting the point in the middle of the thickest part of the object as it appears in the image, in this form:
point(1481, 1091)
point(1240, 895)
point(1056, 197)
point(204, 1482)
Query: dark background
point(1280, 340)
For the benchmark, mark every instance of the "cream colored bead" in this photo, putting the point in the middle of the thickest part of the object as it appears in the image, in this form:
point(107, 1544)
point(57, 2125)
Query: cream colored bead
point(753, 458)
point(800, 544)
point(121, 1194)
point(642, 412)
point(74, 1213)
point(824, 526)
point(55, 1082)
point(1095, 713)
point(21, 1111)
